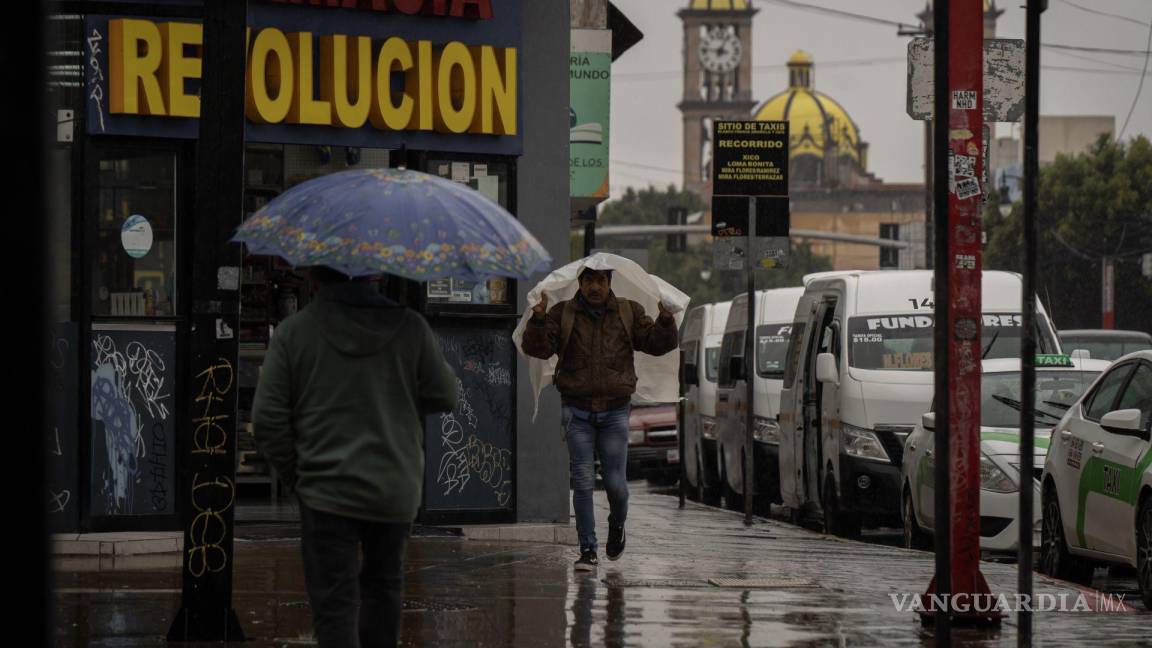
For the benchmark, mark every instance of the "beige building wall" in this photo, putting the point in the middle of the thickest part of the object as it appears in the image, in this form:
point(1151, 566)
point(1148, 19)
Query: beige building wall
point(1071, 135)
point(851, 256)
point(1068, 135)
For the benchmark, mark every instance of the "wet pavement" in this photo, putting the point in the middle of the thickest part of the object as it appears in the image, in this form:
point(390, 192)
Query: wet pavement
point(813, 590)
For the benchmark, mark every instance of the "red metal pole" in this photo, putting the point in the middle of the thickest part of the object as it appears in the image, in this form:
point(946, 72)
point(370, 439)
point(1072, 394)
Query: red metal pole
point(964, 266)
point(959, 592)
point(1108, 294)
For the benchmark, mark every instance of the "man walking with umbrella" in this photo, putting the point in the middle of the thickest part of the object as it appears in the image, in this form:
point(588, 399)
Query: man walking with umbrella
point(339, 412)
point(594, 335)
point(347, 382)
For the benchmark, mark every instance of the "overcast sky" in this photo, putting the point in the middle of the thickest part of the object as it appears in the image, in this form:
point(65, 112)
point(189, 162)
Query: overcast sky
point(861, 65)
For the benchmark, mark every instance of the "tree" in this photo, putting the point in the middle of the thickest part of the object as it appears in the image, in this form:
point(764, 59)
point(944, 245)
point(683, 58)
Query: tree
point(692, 271)
point(1091, 206)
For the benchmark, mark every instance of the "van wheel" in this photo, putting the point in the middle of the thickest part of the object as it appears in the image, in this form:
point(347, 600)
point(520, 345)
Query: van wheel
point(796, 516)
point(836, 521)
point(705, 494)
point(695, 491)
point(914, 536)
point(1055, 559)
point(732, 500)
point(1144, 550)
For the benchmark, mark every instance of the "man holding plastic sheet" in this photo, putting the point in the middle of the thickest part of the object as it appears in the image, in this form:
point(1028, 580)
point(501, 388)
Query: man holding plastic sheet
point(594, 335)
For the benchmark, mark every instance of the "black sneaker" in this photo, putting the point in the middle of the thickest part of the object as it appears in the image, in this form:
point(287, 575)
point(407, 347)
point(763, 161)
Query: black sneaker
point(616, 542)
point(587, 561)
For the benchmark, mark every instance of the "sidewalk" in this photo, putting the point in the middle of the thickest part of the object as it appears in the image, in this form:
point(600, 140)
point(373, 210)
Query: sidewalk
point(813, 590)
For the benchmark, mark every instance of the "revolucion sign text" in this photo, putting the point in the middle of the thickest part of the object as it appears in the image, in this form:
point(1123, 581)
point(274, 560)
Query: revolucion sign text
point(454, 88)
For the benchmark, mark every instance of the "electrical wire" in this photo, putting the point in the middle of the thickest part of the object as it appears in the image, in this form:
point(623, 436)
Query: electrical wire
point(1139, 88)
point(1105, 13)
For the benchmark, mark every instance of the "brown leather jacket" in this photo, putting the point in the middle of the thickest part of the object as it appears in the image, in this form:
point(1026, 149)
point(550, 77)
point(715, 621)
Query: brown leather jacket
point(596, 371)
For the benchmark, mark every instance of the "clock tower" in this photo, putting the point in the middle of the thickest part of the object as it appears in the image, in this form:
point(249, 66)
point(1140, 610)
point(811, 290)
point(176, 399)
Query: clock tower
point(717, 78)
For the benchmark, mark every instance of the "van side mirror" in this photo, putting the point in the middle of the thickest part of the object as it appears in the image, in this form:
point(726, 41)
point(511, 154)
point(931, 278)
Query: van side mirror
point(736, 368)
point(691, 375)
point(826, 370)
point(928, 420)
point(1125, 422)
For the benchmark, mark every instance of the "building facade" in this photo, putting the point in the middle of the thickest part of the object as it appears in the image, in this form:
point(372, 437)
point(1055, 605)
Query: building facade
point(125, 89)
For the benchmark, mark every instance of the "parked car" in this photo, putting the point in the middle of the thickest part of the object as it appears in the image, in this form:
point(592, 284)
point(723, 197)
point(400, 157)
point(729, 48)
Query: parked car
point(1105, 344)
point(653, 444)
point(1097, 481)
point(1060, 381)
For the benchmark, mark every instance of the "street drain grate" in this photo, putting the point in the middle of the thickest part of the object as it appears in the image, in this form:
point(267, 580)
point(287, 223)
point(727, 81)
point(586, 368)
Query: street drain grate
point(665, 583)
point(436, 606)
point(767, 583)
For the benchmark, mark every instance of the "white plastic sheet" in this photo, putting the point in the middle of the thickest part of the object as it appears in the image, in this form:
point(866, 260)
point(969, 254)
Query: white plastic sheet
point(657, 377)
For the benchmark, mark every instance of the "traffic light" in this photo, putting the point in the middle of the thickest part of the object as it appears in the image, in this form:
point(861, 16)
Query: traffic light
point(677, 242)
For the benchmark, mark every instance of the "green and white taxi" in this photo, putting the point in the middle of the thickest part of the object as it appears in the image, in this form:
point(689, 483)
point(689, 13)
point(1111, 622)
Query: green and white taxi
point(1060, 381)
point(1097, 481)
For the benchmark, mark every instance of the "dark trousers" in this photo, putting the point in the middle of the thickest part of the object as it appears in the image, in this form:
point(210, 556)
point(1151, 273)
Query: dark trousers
point(354, 603)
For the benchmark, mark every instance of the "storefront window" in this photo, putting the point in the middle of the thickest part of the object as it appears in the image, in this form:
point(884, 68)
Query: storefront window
point(490, 179)
point(134, 252)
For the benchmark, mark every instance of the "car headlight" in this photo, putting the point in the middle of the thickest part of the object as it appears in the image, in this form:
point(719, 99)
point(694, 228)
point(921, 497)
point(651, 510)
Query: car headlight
point(708, 427)
point(993, 478)
point(766, 431)
point(862, 443)
point(635, 436)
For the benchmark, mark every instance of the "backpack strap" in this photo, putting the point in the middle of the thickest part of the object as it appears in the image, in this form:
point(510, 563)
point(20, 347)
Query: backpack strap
point(626, 317)
point(567, 321)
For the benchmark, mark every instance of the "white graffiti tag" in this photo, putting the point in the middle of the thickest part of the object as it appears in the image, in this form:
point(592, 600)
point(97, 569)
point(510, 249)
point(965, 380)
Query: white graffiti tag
point(147, 369)
point(96, 94)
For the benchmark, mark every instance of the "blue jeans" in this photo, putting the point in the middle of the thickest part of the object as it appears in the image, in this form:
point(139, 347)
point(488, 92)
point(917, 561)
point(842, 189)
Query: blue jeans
point(589, 433)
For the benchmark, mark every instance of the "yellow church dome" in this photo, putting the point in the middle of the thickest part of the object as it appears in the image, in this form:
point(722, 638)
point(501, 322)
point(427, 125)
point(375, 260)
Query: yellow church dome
point(720, 5)
point(814, 119)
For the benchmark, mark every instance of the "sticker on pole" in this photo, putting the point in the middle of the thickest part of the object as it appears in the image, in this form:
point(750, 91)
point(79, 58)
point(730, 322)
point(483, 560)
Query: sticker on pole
point(964, 166)
point(730, 253)
point(967, 188)
point(964, 100)
point(136, 236)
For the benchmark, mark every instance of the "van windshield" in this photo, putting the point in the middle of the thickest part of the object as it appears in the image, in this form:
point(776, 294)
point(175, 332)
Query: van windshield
point(772, 349)
point(905, 342)
point(712, 363)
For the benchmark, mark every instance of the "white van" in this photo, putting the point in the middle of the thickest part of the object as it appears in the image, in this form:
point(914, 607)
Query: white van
point(773, 317)
point(700, 356)
point(860, 375)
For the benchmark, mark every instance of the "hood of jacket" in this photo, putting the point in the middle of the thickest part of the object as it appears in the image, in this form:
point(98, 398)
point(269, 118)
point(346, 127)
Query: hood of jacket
point(357, 320)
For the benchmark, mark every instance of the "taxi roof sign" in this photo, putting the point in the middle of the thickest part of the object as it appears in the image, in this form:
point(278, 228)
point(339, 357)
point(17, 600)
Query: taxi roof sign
point(1054, 360)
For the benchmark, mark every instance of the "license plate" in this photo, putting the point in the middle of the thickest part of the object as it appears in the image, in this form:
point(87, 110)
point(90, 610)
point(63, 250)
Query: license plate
point(674, 456)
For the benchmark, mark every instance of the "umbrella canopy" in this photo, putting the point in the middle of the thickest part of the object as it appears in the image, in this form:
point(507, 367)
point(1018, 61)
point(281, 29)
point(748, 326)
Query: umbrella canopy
point(395, 221)
point(658, 378)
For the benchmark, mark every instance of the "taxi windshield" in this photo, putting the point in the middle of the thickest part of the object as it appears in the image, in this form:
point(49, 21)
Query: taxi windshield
point(1056, 391)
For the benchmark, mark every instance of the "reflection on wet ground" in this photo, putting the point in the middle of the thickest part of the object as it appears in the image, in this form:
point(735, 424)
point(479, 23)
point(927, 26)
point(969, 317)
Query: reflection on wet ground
point(469, 593)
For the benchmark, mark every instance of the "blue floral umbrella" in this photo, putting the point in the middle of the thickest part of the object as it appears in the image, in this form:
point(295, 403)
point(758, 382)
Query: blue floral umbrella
point(395, 221)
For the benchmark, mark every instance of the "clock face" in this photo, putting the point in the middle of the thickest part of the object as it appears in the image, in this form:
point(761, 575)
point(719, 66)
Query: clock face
point(719, 50)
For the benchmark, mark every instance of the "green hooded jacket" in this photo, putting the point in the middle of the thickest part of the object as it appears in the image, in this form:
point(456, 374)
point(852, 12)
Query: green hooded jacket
point(339, 409)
